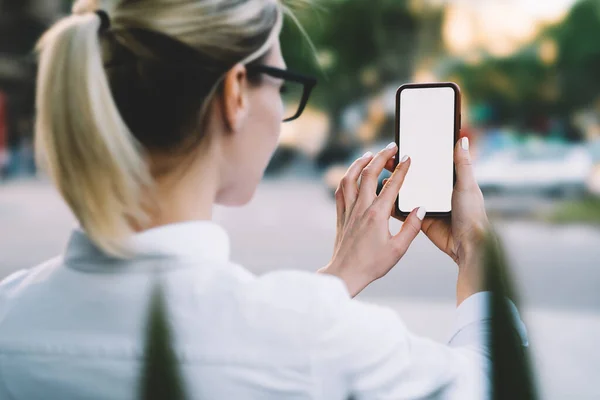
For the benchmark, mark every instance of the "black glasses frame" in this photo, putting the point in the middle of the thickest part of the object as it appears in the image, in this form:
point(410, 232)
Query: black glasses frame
point(308, 83)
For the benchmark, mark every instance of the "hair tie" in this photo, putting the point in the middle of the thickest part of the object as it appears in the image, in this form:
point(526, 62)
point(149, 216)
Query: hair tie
point(104, 20)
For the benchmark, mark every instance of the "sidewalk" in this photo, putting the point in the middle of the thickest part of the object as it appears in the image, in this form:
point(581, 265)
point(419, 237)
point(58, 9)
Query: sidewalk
point(34, 223)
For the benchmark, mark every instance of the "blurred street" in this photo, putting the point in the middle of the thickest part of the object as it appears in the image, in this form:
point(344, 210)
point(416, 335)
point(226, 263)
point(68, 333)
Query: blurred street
point(291, 224)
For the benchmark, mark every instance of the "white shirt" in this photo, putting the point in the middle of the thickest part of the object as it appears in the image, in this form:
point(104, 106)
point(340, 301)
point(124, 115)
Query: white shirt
point(73, 328)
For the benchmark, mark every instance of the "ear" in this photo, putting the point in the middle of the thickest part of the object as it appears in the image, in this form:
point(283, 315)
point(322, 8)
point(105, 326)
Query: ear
point(234, 99)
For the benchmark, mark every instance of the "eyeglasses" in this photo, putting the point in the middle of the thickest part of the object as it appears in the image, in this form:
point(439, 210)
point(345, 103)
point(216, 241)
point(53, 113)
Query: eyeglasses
point(295, 91)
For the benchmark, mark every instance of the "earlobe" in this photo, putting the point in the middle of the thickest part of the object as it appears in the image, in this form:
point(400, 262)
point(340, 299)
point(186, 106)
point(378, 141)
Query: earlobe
point(234, 98)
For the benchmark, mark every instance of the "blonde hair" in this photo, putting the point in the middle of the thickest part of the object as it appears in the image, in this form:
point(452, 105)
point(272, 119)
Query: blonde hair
point(98, 94)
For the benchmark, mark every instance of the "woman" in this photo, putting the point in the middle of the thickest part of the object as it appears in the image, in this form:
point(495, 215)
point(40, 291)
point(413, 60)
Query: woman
point(146, 120)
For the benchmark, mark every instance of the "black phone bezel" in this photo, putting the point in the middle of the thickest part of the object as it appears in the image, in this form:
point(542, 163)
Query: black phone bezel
point(457, 127)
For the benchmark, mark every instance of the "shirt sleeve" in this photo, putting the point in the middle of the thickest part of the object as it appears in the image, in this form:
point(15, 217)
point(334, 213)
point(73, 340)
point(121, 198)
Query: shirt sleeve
point(471, 322)
point(377, 357)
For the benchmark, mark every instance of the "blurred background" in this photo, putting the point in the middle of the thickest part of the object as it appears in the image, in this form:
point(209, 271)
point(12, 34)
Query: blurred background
point(530, 76)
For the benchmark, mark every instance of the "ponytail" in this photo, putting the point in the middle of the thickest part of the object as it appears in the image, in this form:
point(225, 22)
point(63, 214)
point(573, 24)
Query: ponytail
point(90, 154)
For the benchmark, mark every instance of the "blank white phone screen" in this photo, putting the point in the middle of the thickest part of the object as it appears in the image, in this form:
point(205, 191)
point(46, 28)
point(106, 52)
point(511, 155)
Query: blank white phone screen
point(427, 135)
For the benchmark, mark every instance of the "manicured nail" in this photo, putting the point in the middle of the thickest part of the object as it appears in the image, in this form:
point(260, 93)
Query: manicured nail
point(464, 143)
point(421, 213)
point(368, 154)
point(404, 159)
point(391, 146)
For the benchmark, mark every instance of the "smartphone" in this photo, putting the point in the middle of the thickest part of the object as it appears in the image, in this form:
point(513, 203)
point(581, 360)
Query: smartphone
point(428, 120)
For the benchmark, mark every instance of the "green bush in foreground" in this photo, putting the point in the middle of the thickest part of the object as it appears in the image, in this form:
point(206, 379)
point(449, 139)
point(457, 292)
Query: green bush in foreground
point(161, 378)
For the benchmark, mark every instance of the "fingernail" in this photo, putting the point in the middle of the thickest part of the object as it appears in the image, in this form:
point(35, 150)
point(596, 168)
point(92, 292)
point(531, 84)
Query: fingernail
point(404, 159)
point(391, 146)
point(464, 143)
point(368, 154)
point(421, 213)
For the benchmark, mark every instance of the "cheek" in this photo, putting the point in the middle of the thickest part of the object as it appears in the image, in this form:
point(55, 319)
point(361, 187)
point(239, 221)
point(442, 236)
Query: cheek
point(253, 149)
point(273, 115)
point(275, 105)
point(261, 134)
point(264, 125)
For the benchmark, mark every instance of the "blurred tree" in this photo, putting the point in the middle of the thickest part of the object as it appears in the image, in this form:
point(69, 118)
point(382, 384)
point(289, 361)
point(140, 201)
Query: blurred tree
point(515, 87)
point(556, 75)
point(19, 31)
point(579, 55)
point(429, 45)
point(361, 46)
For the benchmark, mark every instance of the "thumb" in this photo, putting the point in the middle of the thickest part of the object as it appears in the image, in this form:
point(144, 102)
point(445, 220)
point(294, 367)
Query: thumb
point(409, 231)
point(465, 178)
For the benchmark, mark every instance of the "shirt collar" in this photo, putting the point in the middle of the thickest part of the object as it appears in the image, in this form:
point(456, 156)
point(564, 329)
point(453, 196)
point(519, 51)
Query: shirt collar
point(187, 241)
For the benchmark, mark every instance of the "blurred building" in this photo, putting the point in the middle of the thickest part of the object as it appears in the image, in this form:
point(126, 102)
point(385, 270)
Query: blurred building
point(21, 24)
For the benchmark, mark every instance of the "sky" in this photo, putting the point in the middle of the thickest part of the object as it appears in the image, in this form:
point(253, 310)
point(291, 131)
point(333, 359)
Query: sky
point(499, 26)
point(545, 8)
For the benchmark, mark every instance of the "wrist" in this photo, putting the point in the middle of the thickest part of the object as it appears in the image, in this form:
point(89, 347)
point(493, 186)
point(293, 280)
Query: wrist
point(469, 256)
point(470, 272)
point(467, 285)
point(470, 250)
point(322, 270)
point(353, 285)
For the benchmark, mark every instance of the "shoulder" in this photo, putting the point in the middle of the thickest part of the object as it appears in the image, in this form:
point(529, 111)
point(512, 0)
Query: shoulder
point(298, 291)
point(20, 280)
point(324, 299)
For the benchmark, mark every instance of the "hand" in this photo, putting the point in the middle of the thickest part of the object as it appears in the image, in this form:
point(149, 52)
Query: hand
point(461, 235)
point(364, 248)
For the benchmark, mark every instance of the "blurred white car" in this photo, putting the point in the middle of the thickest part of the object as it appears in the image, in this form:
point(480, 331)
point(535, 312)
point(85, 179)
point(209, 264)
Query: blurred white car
point(594, 179)
point(550, 169)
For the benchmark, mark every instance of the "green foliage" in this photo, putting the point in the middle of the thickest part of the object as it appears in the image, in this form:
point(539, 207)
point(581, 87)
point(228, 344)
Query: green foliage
point(360, 37)
point(161, 378)
point(516, 86)
point(523, 85)
point(579, 56)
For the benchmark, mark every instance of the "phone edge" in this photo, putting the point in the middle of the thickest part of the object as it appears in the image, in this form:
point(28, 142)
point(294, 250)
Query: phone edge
point(457, 129)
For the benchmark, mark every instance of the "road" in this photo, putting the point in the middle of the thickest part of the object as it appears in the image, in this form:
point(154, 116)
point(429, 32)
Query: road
point(291, 224)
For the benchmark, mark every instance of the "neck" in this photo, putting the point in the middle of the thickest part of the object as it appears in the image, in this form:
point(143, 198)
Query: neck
point(187, 195)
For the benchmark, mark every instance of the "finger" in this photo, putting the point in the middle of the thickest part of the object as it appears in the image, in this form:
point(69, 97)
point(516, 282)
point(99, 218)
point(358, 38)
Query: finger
point(391, 164)
point(393, 213)
point(465, 178)
point(349, 183)
point(389, 193)
point(370, 174)
point(439, 231)
point(398, 217)
point(409, 231)
point(340, 208)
